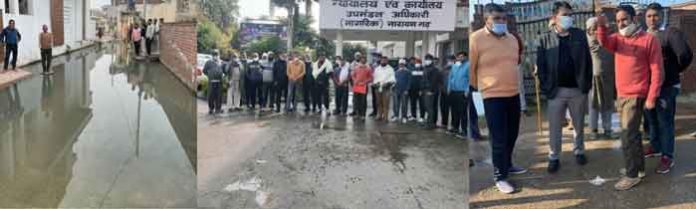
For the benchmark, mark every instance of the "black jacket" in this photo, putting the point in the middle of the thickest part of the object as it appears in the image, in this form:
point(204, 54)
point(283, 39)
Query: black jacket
point(676, 53)
point(431, 79)
point(308, 77)
point(253, 72)
point(213, 70)
point(547, 62)
point(280, 72)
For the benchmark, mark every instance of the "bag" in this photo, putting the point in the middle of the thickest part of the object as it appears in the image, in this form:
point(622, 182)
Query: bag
point(478, 103)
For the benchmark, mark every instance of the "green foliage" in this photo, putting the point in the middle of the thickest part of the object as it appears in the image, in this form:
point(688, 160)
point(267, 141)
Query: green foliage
point(221, 12)
point(350, 49)
point(210, 37)
point(272, 43)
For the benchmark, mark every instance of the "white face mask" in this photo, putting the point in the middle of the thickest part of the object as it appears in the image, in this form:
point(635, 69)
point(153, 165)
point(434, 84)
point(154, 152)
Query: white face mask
point(428, 62)
point(565, 22)
point(629, 30)
point(418, 65)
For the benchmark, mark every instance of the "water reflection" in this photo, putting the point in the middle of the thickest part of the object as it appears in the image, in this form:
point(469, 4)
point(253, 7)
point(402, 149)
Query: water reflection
point(99, 133)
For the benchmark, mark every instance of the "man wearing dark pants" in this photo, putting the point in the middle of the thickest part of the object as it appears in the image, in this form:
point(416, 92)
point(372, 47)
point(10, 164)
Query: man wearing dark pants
point(295, 74)
point(458, 89)
point(431, 86)
point(361, 76)
point(46, 42)
point(444, 95)
point(494, 57)
point(638, 60)
point(414, 92)
point(677, 56)
point(254, 80)
point(213, 70)
point(11, 37)
point(308, 87)
point(322, 70)
point(280, 80)
point(564, 66)
point(341, 78)
point(149, 36)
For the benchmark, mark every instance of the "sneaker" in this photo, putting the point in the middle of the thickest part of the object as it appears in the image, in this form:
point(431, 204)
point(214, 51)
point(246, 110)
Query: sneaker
point(649, 152)
point(641, 174)
point(393, 119)
point(626, 183)
point(553, 166)
point(608, 134)
point(404, 120)
point(460, 135)
point(665, 165)
point(581, 159)
point(411, 118)
point(420, 120)
point(451, 131)
point(504, 187)
point(517, 170)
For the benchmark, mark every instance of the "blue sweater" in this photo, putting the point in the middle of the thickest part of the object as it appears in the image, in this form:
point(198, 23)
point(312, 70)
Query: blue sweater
point(403, 80)
point(459, 78)
point(10, 36)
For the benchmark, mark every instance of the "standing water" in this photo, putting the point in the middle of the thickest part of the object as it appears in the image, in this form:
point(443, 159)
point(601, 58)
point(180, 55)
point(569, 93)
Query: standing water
point(101, 132)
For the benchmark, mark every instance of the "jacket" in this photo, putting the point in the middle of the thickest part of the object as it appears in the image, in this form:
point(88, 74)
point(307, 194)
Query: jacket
point(322, 72)
point(431, 79)
point(403, 80)
point(213, 70)
point(280, 74)
point(362, 76)
point(10, 36)
point(296, 70)
point(459, 78)
point(547, 62)
point(417, 77)
point(676, 54)
point(308, 77)
point(253, 72)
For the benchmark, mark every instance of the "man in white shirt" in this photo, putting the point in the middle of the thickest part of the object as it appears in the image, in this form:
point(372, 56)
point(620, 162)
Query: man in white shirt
point(149, 35)
point(383, 80)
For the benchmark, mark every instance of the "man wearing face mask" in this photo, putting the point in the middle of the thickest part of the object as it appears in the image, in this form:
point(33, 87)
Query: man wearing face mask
point(638, 65)
point(308, 87)
point(603, 92)
point(322, 71)
point(445, 106)
point(341, 79)
point(254, 77)
point(233, 92)
point(280, 81)
point(677, 56)
point(213, 70)
point(493, 71)
point(268, 80)
point(564, 66)
point(295, 72)
point(383, 80)
point(458, 89)
point(414, 92)
point(431, 86)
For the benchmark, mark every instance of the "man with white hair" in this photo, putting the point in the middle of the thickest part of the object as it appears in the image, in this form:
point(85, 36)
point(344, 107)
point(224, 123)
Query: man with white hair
point(602, 94)
point(403, 82)
point(384, 79)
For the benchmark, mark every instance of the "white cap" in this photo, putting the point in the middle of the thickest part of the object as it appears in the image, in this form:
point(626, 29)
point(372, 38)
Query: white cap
point(591, 22)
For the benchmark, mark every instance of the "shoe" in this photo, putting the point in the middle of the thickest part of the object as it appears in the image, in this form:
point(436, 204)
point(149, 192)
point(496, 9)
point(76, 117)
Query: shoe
point(420, 120)
point(649, 152)
point(580, 159)
point(608, 134)
point(373, 114)
point(210, 112)
point(411, 118)
point(665, 165)
point(404, 120)
point(451, 131)
point(626, 183)
point(393, 119)
point(553, 166)
point(471, 163)
point(595, 134)
point(517, 170)
point(460, 135)
point(641, 174)
point(504, 187)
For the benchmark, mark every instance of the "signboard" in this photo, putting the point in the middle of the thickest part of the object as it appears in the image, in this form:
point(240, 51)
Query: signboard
point(251, 32)
point(399, 15)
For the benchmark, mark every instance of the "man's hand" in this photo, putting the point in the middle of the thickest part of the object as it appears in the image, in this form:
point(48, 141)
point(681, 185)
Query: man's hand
point(649, 105)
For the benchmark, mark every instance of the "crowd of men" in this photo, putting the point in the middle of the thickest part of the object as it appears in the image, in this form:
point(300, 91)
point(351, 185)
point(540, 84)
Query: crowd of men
point(637, 66)
point(147, 31)
point(635, 70)
point(409, 90)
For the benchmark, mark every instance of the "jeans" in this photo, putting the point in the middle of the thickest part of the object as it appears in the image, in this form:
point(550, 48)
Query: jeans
point(661, 120)
point(503, 118)
point(417, 105)
point(253, 94)
point(267, 94)
point(233, 94)
point(431, 107)
point(292, 93)
point(631, 110)
point(458, 102)
point(575, 101)
point(280, 91)
point(11, 49)
point(445, 109)
point(136, 45)
point(148, 46)
point(341, 99)
point(46, 56)
point(595, 117)
point(215, 96)
point(400, 104)
point(360, 104)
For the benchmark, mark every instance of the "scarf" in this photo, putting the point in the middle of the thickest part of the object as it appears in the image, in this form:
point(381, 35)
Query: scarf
point(318, 69)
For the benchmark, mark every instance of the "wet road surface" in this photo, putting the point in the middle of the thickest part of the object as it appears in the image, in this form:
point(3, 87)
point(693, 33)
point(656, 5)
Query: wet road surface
point(296, 161)
point(570, 186)
point(98, 133)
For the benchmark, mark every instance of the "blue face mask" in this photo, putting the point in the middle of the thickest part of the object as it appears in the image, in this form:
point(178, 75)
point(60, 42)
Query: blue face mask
point(499, 29)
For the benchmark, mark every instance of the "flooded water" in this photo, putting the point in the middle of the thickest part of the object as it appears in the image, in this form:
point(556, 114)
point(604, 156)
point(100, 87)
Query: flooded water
point(101, 132)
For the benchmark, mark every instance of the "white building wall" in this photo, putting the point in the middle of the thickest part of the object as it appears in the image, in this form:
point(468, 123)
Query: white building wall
point(30, 27)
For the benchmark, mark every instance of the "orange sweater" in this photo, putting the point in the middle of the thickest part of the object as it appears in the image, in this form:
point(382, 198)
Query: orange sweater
point(494, 64)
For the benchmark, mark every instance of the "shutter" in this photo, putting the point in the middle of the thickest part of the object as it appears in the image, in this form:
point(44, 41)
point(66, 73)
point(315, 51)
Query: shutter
point(57, 23)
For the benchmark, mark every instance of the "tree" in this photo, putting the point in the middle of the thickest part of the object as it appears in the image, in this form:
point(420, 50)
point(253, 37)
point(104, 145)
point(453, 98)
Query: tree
point(349, 50)
point(222, 12)
point(266, 44)
point(210, 37)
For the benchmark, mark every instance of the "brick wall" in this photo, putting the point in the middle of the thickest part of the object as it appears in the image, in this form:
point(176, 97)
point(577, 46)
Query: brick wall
point(178, 49)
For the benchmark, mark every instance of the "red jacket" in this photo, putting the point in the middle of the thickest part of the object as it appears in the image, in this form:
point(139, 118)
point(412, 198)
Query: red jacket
point(638, 63)
point(362, 76)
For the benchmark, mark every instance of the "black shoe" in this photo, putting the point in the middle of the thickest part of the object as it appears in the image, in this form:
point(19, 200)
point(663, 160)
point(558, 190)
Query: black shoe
point(580, 159)
point(373, 114)
point(451, 131)
point(553, 166)
point(471, 163)
point(210, 112)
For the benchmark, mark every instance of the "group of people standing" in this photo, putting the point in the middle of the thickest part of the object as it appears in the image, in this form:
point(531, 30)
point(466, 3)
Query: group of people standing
point(266, 80)
point(148, 31)
point(580, 70)
point(11, 37)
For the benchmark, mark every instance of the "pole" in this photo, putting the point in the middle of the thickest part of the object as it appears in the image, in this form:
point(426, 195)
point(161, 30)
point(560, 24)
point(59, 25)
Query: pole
point(145, 9)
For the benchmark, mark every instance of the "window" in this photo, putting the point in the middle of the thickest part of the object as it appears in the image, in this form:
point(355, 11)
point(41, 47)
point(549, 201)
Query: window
point(24, 8)
point(7, 7)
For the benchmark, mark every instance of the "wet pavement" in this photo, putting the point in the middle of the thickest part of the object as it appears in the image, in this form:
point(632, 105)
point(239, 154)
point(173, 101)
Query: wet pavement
point(297, 161)
point(570, 187)
point(99, 133)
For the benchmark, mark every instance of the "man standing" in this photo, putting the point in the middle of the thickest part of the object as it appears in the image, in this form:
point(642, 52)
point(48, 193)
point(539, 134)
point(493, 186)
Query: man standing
point(235, 77)
point(322, 70)
point(46, 42)
point(214, 73)
point(296, 71)
point(280, 80)
point(254, 77)
point(494, 58)
point(430, 88)
point(414, 93)
point(564, 66)
point(638, 60)
point(11, 37)
point(383, 80)
point(267, 84)
point(362, 76)
point(353, 65)
point(602, 94)
point(677, 56)
point(444, 95)
point(136, 37)
point(308, 87)
point(149, 36)
point(458, 89)
point(341, 79)
point(403, 83)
